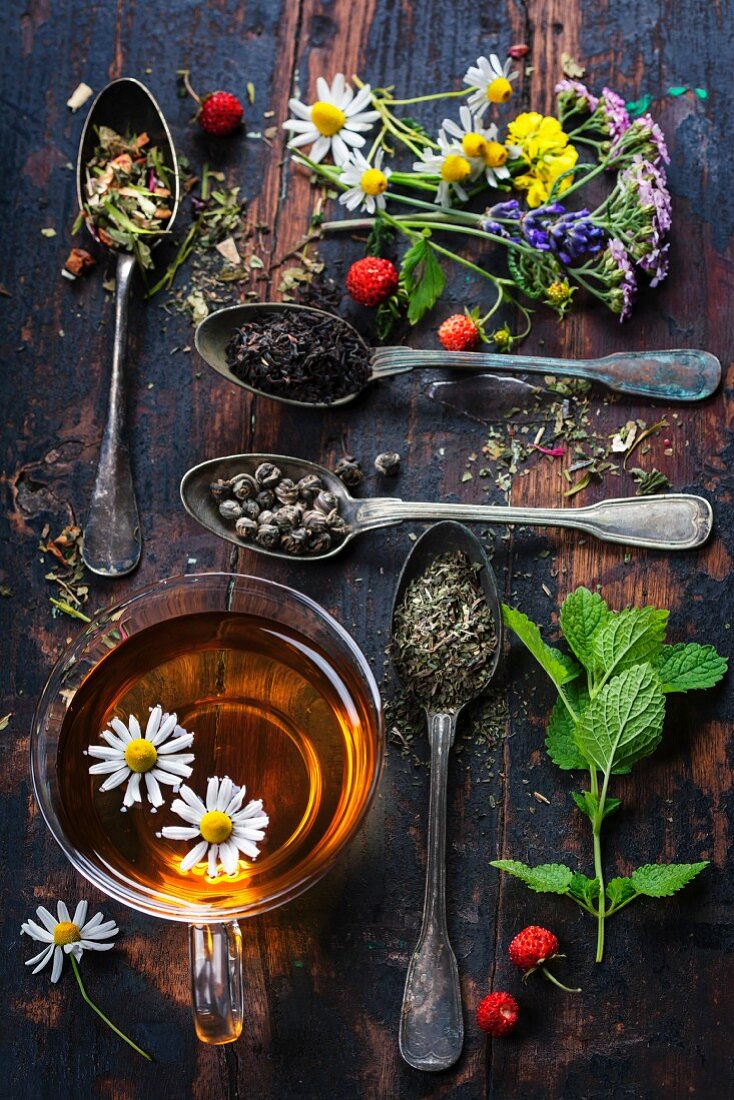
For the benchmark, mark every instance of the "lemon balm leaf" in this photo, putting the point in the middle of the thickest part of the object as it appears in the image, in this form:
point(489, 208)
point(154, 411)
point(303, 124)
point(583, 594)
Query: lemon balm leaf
point(661, 880)
point(560, 667)
point(629, 638)
point(624, 723)
point(546, 878)
point(583, 614)
point(690, 667)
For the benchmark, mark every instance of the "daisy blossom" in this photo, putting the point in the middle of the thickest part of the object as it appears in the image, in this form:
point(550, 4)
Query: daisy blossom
point(367, 182)
point(67, 935)
point(490, 82)
point(334, 123)
point(224, 829)
point(479, 145)
point(128, 755)
point(451, 165)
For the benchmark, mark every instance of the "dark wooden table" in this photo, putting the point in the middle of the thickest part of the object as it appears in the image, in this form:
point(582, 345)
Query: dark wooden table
point(325, 975)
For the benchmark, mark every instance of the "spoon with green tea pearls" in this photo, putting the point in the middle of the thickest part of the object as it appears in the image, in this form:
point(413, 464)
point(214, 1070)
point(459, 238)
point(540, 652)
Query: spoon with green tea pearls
point(289, 507)
point(307, 357)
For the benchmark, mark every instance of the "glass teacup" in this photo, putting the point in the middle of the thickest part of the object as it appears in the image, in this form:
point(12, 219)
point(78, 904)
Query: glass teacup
point(278, 697)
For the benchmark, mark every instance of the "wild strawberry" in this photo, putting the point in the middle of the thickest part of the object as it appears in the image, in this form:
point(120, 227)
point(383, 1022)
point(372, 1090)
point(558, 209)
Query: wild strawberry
point(460, 333)
point(372, 280)
point(221, 114)
point(532, 948)
point(497, 1014)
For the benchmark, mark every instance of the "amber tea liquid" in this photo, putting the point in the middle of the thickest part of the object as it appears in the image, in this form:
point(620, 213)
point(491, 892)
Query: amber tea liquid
point(267, 709)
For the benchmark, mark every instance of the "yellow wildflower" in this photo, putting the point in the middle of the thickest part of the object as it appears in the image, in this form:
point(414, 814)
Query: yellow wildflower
point(544, 146)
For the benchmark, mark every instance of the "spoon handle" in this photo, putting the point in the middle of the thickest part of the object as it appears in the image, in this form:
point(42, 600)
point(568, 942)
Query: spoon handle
point(112, 531)
point(672, 521)
point(683, 374)
point(431, 1032)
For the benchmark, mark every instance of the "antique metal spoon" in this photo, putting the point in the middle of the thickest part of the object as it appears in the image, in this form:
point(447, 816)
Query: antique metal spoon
point(431, 1032)
point(677, 375)
point(112, 540)
point(671, 521)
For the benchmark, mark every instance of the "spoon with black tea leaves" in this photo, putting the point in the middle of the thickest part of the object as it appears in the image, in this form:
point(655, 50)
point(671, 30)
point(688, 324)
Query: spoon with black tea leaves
point(431, 1031)
point(670, 521)
point(678, 375)
point(112, 540)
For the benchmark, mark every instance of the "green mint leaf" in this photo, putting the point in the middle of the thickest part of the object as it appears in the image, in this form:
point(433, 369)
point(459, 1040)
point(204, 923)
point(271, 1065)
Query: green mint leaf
point(620, 890)
point(629, 638)
point(560, 741)
point(588, 803)
point(583, 614)
point(422, 277)
point(584, 888)
point(559, 667)
point(660, 880)
point(689, 666)
point(624, 722)
point(546, 878)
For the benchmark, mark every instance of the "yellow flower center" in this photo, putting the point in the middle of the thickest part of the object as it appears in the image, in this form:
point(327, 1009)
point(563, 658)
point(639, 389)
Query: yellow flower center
point(455, 168)
point(558, 293)
point(474, 145)
point(496, 155)
point(499, 90)
point(327, 118)
point(140, 755)
point(373, 182)
point(66, 932)
point(215, 827)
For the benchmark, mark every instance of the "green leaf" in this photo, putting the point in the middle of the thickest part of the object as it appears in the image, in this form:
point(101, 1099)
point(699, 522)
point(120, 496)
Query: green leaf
point(584, 888)
point(588, 803)
point(560, 741)
point(533, 272)
point(660, 880)
point(546, 878)
point(422, 277)
point(620, 890)
point(559, 667)
point(380, 237)
point(583, 614)
point(629, 638)
point(624, 722)
point(689, 666)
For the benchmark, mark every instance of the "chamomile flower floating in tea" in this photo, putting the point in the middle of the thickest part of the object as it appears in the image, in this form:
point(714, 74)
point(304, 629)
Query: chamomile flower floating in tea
point(225, 828)
point(72, 936)
point(490, 81)
point(334, 123)
point(155, 757)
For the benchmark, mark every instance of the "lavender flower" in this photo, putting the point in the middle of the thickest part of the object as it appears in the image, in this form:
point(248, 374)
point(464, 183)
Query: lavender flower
point(622, 277)
point(576, 95)
point(536, 225)
point(509, 210)
point(575, 236)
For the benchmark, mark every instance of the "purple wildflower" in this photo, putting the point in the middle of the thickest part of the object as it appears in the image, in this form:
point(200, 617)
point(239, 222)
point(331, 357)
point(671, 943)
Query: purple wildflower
point(647, 183)
point(655, 137)
point(536, 225)
point(509, 210)
point(613, 114)
point(577, 95)
point(575, 236)
point(623, 277)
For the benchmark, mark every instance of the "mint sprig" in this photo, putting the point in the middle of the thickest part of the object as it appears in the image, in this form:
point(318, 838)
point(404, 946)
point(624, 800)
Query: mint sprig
point(609, 715)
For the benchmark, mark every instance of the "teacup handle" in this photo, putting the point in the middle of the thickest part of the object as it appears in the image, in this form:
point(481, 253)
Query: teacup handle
point(215, 954)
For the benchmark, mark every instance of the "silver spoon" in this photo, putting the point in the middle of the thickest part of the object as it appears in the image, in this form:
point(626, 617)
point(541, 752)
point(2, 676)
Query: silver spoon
point(671, 521)
point(678, 375)
point(431, 1032)
point(112, 541)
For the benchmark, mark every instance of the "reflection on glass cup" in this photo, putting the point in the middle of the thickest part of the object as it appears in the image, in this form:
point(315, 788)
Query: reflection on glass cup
point(279, 698)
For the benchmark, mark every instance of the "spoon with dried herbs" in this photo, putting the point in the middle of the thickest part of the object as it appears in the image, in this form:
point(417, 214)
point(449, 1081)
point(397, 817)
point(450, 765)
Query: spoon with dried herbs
point(446, 644)
point(307, 357)
point(241, 498)
point(128, 190)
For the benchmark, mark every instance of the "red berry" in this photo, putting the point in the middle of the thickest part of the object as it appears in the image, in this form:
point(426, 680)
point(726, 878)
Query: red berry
point(372, 280)
point(459, 333)
point(532, 947)
point(220, 114)
point(497, 1014)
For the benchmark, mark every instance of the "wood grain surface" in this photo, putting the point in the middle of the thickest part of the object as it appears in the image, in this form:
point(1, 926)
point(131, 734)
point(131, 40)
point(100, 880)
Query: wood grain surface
point(325, 975)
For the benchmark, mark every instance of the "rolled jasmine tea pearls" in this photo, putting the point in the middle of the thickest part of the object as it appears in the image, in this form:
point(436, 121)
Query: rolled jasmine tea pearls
point(277, 513)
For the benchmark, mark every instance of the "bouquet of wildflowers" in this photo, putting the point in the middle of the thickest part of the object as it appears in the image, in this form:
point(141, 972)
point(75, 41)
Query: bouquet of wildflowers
point(512, 183)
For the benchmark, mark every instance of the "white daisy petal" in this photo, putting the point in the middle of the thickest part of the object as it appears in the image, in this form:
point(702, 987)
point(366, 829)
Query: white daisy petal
point(299, 126)
point(153, 722)
point(246, 846)
point(103, 932)
point(175, 767)
point(167, 727)
point(360, 101)
point(176, 743)
point(188, 813)
point(132, 794)
point(154, 792)
point(235, 802)
point(44, 954)
point(212, 790)
point(37, 933)
point(116, 779)
point(306, 139)
point(115, 742)
point(180, 832)
point(95, 922)
point(63, 911)
point(47, 919)
point(92, 945)
point(47, 953)
point(107, 766)
point(134, 727)
point(192, 799)
point(102, 753)
point(58, 964)
point(321, 147)
point(168, 778)
point(194, 856)
point(80, 914)
point(300, 110)
point(323, 91)
point(121, 729)
point(212, 861)
point(225, 793)
point(229, 857)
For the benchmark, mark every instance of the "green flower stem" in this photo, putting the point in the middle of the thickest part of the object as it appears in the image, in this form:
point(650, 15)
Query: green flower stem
point(552, 978)
point(600, 167)
point(470, 232)
point(599, 872)
point(427, 98)
point(100, 1013)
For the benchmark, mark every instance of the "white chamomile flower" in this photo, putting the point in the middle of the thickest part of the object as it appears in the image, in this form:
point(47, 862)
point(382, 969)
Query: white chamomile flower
point(155, 757)
point(334, 123)
point(367, 182)
point(67, 935)
point(491, 81)
point(450, 163)
point(479, 145)
point(224, 828)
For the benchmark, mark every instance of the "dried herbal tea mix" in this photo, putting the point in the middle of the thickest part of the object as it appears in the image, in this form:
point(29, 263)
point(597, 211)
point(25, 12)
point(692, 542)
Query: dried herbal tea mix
point(444, 635)
point(127, 193)
point(303, 356)
point(277, 513)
